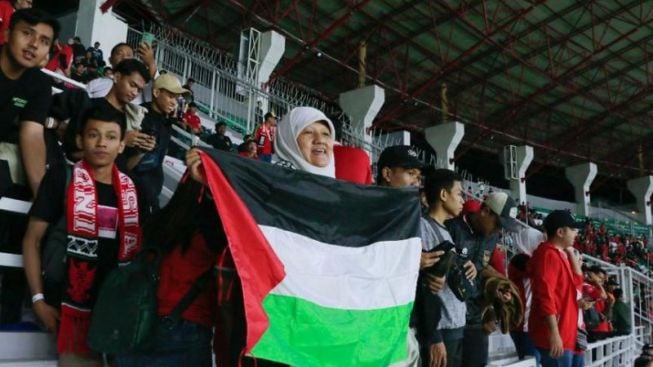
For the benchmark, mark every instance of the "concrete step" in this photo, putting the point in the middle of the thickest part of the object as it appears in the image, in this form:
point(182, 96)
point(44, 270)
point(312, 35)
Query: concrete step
point(26, 346)
point(28, 363)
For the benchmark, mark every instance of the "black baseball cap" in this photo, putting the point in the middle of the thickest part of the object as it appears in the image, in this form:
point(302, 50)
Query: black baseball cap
point(399, 156)
point(559, 219)
point(268, 115)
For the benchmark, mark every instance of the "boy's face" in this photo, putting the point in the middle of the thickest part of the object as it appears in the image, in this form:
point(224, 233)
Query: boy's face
point(488, 221)
point(402, 177)
point(101, 142)
point(23, 4)
point(29, 45)
point(452, 200)
point(121, 53)
point(128, 86)
point(165, 100)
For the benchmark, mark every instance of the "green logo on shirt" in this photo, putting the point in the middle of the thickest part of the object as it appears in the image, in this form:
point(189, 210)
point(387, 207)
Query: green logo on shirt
point(19, 102)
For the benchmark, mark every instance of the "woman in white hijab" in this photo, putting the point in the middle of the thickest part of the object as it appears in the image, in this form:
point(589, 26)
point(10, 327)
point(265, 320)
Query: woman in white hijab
point(304, 141)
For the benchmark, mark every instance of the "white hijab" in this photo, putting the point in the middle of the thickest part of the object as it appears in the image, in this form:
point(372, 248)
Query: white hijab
point(285, 140)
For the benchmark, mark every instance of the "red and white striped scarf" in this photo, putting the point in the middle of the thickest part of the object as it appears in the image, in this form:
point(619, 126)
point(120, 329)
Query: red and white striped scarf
point(82, 250)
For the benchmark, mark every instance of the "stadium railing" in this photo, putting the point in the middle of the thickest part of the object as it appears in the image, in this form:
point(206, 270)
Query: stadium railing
point(222, 95)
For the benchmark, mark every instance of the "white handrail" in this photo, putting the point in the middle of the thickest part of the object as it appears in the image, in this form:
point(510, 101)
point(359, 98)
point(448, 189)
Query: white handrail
point(11, 260)
point(14, 205)
point(64, 78)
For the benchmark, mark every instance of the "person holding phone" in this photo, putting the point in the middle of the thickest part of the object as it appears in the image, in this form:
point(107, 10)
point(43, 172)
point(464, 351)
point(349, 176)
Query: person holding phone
point(145, 160)
point(100, 87)
point(440, 314)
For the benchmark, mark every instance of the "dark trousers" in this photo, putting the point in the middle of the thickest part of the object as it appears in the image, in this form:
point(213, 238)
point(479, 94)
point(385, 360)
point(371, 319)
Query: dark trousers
point(475, 348)
point(454, 353)
point(565, 360)
point(523, 344)
point(186, 343)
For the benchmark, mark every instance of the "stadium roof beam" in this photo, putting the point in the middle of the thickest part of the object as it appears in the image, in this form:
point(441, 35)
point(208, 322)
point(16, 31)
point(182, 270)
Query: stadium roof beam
point(594, 83)
point(591, 123)
point(323, 35)
point(556, 41)
point(451, 65)
point(554, 82)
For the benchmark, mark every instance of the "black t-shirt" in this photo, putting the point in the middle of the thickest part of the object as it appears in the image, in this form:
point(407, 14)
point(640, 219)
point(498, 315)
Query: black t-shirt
point(73, 104)
point(148, 173)
point(220, 142)
point(79, 50)
point(24, 99)
point(49, 206)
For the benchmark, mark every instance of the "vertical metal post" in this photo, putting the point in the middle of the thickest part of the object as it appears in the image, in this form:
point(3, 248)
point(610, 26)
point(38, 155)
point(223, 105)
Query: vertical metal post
point(250, 98)
point(212, 101)
point(186, 69)
point(362, 63)
point(445, 102)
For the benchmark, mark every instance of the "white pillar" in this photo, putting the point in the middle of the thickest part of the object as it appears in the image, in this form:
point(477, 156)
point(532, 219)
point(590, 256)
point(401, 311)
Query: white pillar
point(362, 105)
point(93, 26)
point(642, 188)
point(518, 186)
point(581, 177)
point(444, 139)
point(272, 46)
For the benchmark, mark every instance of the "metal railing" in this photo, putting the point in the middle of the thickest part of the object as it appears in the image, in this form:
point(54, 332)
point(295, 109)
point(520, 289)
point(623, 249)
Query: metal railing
point(218, 90)
point(222, 95)
point(613, 352)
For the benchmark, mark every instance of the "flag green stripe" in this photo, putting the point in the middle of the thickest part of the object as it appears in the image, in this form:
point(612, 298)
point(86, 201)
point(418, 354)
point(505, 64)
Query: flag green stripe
point(302, 333)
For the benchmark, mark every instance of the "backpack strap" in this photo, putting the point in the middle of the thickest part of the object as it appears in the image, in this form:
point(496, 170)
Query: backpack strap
point(174, 317)
point(69, 176)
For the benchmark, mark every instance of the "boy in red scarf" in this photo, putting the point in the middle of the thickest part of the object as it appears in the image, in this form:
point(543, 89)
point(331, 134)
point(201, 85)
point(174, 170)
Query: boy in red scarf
point(101, 221)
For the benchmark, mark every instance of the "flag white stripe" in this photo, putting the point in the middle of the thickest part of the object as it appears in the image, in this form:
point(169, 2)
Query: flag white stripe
point(381, 275)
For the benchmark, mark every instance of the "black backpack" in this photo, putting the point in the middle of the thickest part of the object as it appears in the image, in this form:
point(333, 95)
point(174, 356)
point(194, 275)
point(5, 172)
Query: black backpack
point(53, 255)
point(124, 317)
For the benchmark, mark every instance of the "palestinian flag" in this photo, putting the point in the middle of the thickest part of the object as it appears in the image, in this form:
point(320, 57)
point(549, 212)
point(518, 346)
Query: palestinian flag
point(328, 268)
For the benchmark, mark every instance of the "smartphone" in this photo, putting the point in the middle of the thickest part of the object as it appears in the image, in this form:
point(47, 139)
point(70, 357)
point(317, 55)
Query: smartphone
point(148, 38)
point(445, 246)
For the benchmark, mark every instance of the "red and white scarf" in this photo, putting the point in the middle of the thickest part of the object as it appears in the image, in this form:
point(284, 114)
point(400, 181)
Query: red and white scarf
point(82, 250)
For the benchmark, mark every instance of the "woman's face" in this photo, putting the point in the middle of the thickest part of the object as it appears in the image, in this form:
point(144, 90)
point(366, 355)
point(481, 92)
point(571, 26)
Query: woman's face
point(316, 144)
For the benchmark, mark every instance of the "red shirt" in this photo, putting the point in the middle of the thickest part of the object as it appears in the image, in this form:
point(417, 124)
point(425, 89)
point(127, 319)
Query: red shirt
point(6, 11)
point(523, 284)
point(352, 164)
point(498, 260)
point(65, 50)
point(246, 155)
point(554, 286)
point(263, 137)
point(192, 120)
point(600, 305)
point(179, 271)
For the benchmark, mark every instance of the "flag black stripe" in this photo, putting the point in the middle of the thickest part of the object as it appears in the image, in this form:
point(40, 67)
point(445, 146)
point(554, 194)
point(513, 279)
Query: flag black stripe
point(324, 209)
